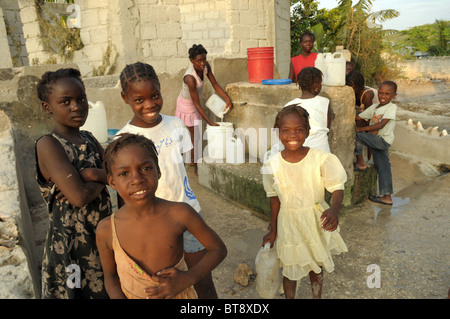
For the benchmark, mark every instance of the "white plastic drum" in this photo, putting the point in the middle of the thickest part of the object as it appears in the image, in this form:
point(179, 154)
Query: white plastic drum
point(335, 69)
point(96, 121)
point(217, 137)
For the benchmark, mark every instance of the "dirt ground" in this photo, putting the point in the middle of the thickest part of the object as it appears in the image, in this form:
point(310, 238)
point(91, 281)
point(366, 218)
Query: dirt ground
point(424, 101)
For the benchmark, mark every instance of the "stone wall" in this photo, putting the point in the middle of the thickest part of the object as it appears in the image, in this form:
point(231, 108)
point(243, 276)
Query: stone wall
point(18, 262)
point(426, 68)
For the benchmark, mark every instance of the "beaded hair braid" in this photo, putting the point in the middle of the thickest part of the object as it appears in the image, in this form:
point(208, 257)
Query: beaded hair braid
point(137, 72)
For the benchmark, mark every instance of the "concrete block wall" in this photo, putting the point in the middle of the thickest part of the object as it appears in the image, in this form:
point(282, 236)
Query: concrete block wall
point(97, 23)
point(433, 149)
point(282, 37)
point(6, 61)
point(160, 32)
point(11, 31)
point(204, 22)
point(31, 33)
point(25, 32)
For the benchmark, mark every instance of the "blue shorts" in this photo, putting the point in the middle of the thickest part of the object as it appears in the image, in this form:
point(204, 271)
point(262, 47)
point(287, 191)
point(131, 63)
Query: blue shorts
point(191, 244)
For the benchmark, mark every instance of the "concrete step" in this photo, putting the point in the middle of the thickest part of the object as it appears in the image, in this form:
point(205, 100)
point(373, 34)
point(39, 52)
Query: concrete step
point(243, 184)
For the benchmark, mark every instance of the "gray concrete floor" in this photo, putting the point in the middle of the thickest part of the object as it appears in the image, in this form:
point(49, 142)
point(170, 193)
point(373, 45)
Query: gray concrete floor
point(409, 241)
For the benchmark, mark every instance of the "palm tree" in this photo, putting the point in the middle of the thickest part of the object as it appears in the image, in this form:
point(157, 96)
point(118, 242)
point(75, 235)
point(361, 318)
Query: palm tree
point(360, 16)
point(357, 30)
point(441, 26)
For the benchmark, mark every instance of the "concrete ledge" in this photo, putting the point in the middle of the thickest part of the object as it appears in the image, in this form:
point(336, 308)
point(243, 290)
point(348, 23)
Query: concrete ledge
point(240, 183)
point(243, 184)
point(433, 149)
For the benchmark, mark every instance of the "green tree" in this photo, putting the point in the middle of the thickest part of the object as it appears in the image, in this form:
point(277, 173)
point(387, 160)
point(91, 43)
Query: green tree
point(306, 16)
point(419, 38)
point(355, 27)
point(429, 38)
point(357, 30)
point(443, 29)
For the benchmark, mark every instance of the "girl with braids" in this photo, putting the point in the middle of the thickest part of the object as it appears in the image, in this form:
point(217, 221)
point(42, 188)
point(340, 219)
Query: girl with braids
point(189, 109)
point(72, 180)
point(141, 90)
point(141, 245)
point(303, 228)
point(318, 107)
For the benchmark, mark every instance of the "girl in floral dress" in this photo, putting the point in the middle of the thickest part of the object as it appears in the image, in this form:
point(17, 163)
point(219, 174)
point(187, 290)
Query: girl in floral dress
point(72, 180)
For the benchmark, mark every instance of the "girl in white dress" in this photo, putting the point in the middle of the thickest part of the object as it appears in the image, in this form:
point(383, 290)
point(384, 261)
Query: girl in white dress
point(303, 228)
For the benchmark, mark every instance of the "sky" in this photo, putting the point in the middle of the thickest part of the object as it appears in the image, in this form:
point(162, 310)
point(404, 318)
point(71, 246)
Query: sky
point(412, 12)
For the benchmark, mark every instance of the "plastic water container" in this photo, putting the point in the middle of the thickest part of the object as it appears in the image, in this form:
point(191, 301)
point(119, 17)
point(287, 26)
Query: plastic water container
point(335, 69)
point(267, 272)
point(217, 137)
point(235, 151)
point(217, 105)
point(96, 121)
point(260, 64)
point(320, 64)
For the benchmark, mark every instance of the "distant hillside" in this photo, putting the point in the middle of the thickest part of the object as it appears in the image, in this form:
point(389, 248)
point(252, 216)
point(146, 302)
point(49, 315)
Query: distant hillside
point(425, 40)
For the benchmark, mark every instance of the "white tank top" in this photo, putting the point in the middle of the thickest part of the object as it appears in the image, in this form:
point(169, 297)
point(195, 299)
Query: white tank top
point(184, 93)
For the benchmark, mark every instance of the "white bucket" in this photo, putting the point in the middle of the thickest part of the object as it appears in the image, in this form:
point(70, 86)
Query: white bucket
point(335, 69)
point(217, 137)
point(96, 121)
point(217, 105)
point(235, 151)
